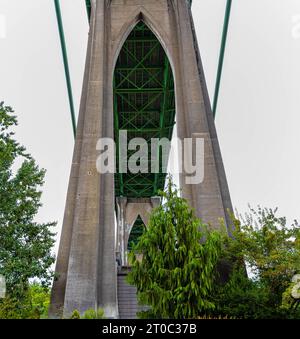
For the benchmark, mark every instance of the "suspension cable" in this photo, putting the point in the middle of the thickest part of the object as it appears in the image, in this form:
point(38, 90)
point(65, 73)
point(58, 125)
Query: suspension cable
point(66, 63)
point(222, 55)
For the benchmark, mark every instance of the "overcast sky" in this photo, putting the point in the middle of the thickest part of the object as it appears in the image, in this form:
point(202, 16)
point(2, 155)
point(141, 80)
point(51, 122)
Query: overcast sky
point(258, 116)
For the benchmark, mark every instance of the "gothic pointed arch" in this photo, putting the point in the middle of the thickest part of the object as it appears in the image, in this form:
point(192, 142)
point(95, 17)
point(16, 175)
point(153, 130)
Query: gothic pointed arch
point(136, 232)
point(142, 14)
point(144, 105)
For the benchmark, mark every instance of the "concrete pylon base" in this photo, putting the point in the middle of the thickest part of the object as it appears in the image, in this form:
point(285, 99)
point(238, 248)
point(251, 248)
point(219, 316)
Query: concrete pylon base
point(86, 263)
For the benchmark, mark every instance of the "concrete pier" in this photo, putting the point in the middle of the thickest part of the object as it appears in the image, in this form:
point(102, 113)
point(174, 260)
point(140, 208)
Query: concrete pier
point(86, 263)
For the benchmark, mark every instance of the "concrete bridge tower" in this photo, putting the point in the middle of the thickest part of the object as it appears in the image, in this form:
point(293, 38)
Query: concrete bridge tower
point(143, 73)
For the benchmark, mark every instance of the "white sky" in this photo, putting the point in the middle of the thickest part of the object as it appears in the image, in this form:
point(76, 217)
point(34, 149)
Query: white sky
point(258, 116)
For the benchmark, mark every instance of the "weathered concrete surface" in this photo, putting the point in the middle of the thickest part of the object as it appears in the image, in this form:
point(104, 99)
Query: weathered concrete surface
point(87, 261)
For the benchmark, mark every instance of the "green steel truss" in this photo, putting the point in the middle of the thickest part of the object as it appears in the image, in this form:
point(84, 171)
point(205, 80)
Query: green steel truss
point(144, 105)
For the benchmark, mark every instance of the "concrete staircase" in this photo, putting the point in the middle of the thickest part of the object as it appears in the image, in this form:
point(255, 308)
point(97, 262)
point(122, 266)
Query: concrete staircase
point(127, 298)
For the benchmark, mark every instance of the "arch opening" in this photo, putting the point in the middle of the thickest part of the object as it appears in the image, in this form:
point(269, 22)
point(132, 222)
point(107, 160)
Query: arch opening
point(144, 107)
point(137, 231)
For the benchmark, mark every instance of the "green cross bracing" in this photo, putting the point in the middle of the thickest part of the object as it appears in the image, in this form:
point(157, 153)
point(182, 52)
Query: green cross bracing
point(144, 105)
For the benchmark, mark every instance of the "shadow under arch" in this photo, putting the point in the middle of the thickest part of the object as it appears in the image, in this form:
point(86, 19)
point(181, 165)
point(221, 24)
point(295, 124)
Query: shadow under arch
point(137, 230)
point(144, 107)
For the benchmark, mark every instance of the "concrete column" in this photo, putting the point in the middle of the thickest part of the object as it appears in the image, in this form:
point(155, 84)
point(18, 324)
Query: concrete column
point(210, 199)
point(86, 264)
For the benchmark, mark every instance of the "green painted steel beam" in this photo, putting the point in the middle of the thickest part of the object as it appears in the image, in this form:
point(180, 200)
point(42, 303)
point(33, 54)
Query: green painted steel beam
point(162, 115)
point(222, 55)
point(116, 125)
point(150, 130)
point(124, 68)
point(138, 90)
point(66, 63)
point(140, 62)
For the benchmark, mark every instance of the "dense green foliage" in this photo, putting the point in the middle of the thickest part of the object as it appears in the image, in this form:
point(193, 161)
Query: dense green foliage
point(175, 264)
point(92, 314)
point(176, 273)
point(270, 249)
point(75, 315)
point(40, 299)
point(33, 305)
point(25, 251)
point(89, 314)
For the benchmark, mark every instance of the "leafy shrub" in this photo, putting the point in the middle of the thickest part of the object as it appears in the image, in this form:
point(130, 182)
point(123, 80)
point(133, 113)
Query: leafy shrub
point(75, 315)
point(33, 304)
point(93, 314)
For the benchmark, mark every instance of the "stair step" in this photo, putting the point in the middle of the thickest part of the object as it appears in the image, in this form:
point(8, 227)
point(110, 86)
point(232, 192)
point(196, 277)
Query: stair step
point(127, 299)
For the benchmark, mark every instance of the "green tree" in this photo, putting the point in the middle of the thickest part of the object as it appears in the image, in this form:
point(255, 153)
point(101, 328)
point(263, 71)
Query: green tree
point(93, 314)
point(75, 315)
point(34, 304)
point(175, 275)
point(240, 298)
point(270, 249)
point(39, 297)
point(25, 251)
point(89, 314)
